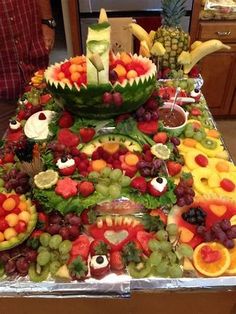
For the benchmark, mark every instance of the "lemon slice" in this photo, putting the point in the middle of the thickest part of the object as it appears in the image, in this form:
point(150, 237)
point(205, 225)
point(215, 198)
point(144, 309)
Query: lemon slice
point(160, 151)
point(46, 179)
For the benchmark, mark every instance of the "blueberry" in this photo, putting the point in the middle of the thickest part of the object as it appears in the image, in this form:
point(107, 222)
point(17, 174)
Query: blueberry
point(64, 159)
point(100, 259)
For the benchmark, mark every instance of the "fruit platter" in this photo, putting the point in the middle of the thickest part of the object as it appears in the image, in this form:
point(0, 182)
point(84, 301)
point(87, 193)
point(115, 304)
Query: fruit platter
point(112, 179)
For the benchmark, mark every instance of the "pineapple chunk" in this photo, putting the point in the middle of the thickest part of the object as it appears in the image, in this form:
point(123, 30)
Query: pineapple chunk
point(184, 58)
point(158, 49)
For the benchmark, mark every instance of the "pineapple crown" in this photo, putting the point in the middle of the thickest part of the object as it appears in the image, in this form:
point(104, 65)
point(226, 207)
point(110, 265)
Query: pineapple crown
point(172, 12)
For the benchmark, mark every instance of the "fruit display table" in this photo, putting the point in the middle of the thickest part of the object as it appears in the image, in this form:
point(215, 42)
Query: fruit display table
point(113, 181)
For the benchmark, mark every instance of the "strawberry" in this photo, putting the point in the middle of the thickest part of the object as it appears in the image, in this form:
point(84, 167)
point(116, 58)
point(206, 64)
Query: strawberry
point(140, 184)
point(99, 270)
point(153, 191)
point(160, 137)
point(86, 134)
point(45, 99)
point(68, 138)
point(148, 156)
point(98, 247)
point(227, 185)
point(195, 112)
point(173, 168)
point(68, 171)
point(80, 247)
point(201, 160)
point(148, 127)
point(42, 222)
point(66, 120)
point(116, 261)
point(15, 136)
point(86, 188)
point(42, 116)
point(8, 158)
point(21, 115)
point(88, 216)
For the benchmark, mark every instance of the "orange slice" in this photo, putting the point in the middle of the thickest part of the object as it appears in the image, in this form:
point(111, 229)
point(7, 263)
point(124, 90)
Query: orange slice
point(211, 259)
point(232, 267)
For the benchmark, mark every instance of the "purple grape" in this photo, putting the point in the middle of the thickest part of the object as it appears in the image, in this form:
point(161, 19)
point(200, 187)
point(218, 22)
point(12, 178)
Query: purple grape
point(231, 234)
point(117, 99)
point(107, 98)
point(181, 202)
point(208, 236)
point(10, 267)
point(201, 230)
point(31, 255)
point(4, 257)
point(179, 191)
point(147, 116)
point(64, 232)
point(157, 163)
point(113, 77)
point(216, 228)
point(155, 115)
point(73, 232)
point(75, 220)
point(55, 218)
point(229, 244)
point(175, 140)
point(22, 265)
point(221, 236)
point(53, 229)
point(225, 224)
point(140, 112)
point(145, 172)
point(188, 199)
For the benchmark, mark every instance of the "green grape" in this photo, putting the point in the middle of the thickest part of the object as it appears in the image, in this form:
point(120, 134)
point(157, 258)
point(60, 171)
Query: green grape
point(172, 257)
point(55, 241)
point(180, 73)
point(174, 74)
point(165, 246)
point(105, 172)
point(103, 189)
point(183, 84)
point(155, 258)
point(172, 229)
point(55, 255)
point(44, 239)
point(64, 258)
point(1, 182)
point(154, 245)
point(65, 247)
point(185, 250)
point(54, 266)
point(42, 249)
point(175, 271)
point(189, 133)
point(43, 258)
point(115, 174)
point(198, 136)
point(93, 175)
point(162, 268)
point(114, 191)
point(162, 235)
point(104, 181)
point(124, 181)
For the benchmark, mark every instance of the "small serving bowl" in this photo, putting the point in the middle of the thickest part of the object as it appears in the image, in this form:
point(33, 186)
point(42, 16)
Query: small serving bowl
point(175, 131)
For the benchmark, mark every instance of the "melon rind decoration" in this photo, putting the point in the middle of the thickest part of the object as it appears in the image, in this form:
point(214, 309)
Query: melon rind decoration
point(86, 100)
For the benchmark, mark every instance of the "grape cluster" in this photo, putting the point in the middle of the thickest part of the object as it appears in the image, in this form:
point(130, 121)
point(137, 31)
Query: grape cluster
point(17, 180)
point(53, 252)
point(165, 255)
point(147, 112)
point(112, 98)
point(24, 150)
point(109, 182)
point(221, 231)
point(150, 168)
point(195, 216)
point(196, 133)
point(184, 193)
point(68, 226)
point(17, 260)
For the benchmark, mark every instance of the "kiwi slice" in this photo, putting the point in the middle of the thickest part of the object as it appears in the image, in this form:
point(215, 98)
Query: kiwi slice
point(38, 273)
point(139, 270)
point(208, 143)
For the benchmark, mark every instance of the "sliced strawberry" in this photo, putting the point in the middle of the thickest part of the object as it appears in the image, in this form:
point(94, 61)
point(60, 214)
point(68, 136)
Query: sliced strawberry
point(140, 184)
point(227, 185)
point(21, 226)
point(14, 136)
point(80, 247)
point(99, 247)
point(153, 191)
point(86, 134)
point(148, 127)
point(68, 138)
point(201, 160)
point(195, 112)
point(173, 167)
point(160, 137)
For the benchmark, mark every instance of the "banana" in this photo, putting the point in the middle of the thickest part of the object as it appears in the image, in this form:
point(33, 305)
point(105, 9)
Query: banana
point(158, 49)
point(102, 16)
point(196, 44)
point(144, 49)
point(184, 58)
point(140, 33)
point(152, 35)
point(203, 50)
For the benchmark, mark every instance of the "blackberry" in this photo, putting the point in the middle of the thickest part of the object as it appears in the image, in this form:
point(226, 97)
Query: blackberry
point(195, 216)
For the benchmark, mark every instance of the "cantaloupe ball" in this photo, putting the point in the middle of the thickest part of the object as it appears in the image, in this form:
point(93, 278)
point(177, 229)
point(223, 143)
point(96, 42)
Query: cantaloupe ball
point(1, 237)
point(9, 233)
point(22, 206)
point(73, 68)
point(12, 219)
point(60, 75)
point(25, 216)
point(75, 76)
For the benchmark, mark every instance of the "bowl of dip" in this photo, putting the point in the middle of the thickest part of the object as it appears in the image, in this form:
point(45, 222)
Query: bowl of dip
point(175, 121)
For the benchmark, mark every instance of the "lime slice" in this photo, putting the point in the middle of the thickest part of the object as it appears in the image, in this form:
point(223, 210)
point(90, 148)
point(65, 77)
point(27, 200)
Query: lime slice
point(160, 151)
point(46, 179)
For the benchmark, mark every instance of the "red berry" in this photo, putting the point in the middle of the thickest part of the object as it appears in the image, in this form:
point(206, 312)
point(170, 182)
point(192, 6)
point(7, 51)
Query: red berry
point(146, 147)
point(66, 120)
point(86, 188)
point(86, 134)
point(227, 185)
point(42, 116)
point(21, 226)
point(148, 156)
point(8, 158)
point(3, 224)
point(82, 166)
point(68, 171)
point(160, 137)
point(173, 167)
point(116, 261)
point(201, 160)
point(151, 104)
point(140, 184)
point(195, 112)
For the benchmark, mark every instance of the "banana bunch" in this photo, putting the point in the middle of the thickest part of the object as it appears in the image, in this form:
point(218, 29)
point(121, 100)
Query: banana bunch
point(202, 49)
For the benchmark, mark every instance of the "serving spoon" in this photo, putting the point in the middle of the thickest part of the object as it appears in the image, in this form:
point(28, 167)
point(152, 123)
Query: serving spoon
point(178, 89)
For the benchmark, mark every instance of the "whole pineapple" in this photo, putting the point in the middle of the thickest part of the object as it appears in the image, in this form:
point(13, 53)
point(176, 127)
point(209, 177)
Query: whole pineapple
point(171, 34)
